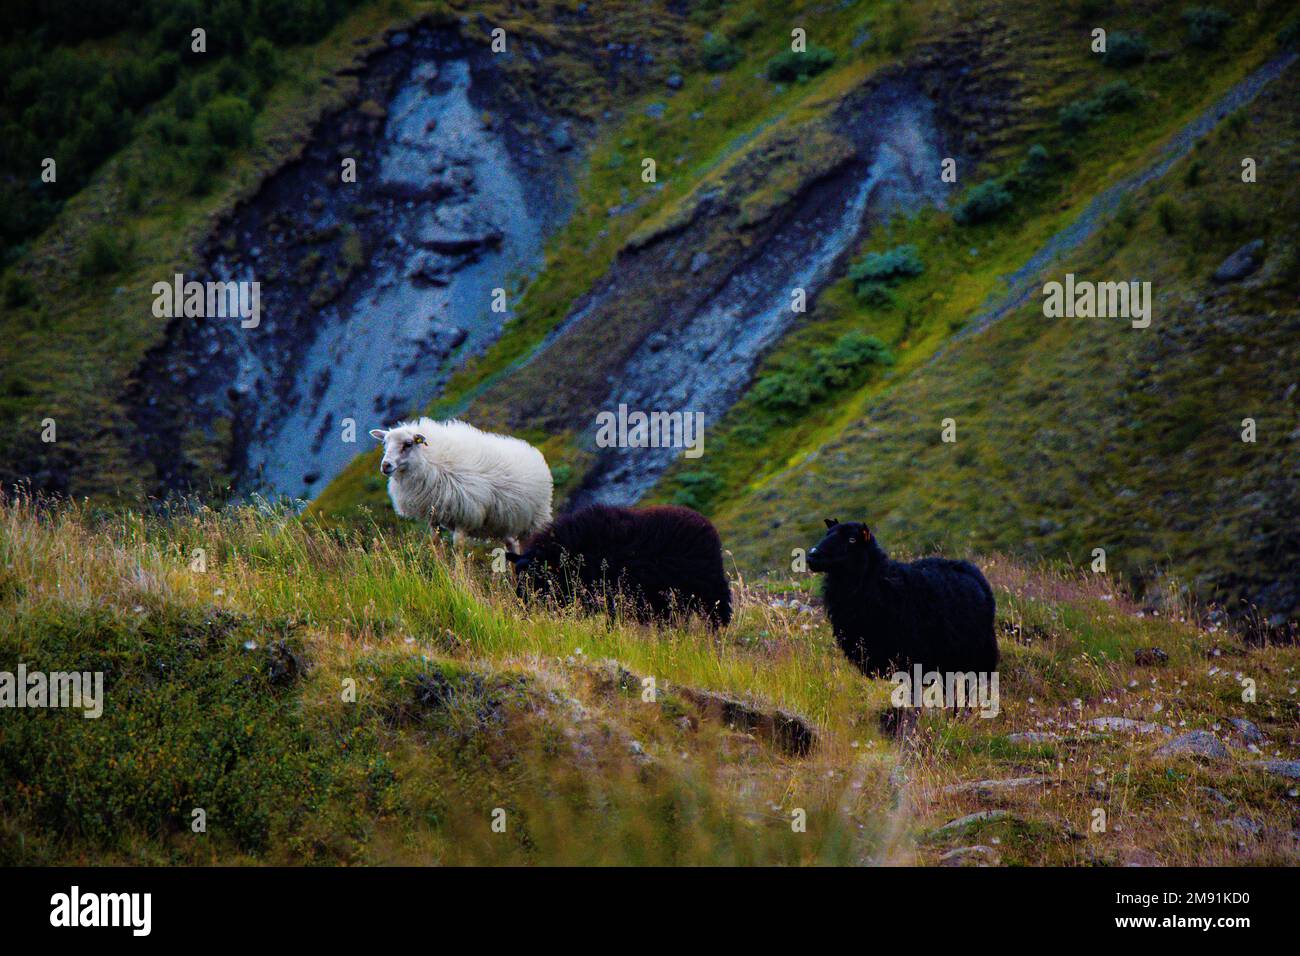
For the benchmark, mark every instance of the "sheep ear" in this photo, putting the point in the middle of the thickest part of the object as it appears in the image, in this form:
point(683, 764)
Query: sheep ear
point(378, 434)
point(830, 522)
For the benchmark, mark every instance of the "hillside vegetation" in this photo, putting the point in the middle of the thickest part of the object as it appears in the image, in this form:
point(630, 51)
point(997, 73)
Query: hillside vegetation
point(1079, 434)
point(227, 690)
point(1104, 430)
point(1116, 428)
point(328, 684)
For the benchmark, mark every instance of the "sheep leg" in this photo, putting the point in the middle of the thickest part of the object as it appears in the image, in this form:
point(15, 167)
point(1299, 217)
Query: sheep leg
point(457, 538)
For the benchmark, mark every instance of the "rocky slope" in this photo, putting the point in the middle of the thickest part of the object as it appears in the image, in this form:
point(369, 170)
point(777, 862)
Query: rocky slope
point(372, 288)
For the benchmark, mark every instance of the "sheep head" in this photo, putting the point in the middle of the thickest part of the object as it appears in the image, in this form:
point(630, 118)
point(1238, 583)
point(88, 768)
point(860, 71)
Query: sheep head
point(843, 544)
point(400, 444)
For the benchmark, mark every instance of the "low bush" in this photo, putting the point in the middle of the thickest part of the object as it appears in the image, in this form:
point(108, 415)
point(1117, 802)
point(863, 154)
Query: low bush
point(1117, 97)
point(697, 489)
point(790, 66)
point(845, 363)
point(718, 54)
point(985, 202)
point(106, 252)
point(1206, 26)
point(229, 121)
point(1125, 50)
point(890, 267)
point(1168, 214)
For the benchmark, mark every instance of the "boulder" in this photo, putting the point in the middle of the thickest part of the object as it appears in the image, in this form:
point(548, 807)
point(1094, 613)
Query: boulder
point(1248, 732)
point(988, 788)
point(1032, 737)
point(978, 855)
point(1242, 263)
point(983, 816)
point(1282, 768)
point(1196, 743)
point(1126, 725)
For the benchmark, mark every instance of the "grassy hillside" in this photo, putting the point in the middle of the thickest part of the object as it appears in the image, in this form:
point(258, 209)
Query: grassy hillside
point(725, 128)
point(341, 687)
point(1079, 434)
point(1053, 125)
point(77, 313)
point(76, 309)
point(227, 690)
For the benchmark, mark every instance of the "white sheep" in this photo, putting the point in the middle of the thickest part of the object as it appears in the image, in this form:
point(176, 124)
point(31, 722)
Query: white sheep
point(471, 481)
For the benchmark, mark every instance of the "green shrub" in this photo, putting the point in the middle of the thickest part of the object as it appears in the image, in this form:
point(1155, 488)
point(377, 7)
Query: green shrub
point(1037, 163)
point(1077, 116)
point(1217, 218)
point(747, 26)
point(1206, 26)
point(233, 78)
point(719, 54)
point(141, 82)
point(985, 202)
point(80, 102)
point(1114, 97)
point(785, 391)
point(846, 362)
point(1125, 49)
point(841, 363)
point(264, 61)
point(229, 121)
point(875, 294)
point(106, 252)
point(875, 274)
point(697, 489)
point(1033, 171)
point(1168, 214)
point(1117, 97)
point(890, 267)
point(790, 66)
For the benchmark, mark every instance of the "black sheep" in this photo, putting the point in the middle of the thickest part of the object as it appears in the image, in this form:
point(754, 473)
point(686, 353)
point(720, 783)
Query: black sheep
point(660, 560)
point(888, 616)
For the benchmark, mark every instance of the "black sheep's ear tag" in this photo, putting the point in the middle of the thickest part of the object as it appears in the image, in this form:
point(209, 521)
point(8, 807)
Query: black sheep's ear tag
point(830, 522)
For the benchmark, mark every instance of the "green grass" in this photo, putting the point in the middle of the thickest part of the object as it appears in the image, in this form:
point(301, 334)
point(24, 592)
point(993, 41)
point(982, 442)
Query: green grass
point(370, 697)
point(1074, 435)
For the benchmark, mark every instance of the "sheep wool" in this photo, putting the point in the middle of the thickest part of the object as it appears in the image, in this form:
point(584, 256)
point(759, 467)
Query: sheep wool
point(889, 615)
point(471, 481)
point(665, 560)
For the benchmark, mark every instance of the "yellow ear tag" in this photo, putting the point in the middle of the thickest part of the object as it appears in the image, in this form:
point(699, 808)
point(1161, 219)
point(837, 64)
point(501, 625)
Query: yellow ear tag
point(419, 439)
